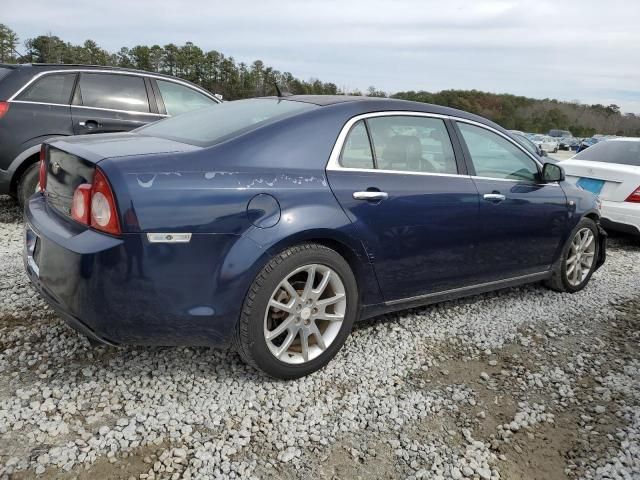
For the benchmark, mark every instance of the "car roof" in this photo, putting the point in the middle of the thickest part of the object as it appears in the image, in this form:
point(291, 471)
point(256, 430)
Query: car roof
point(363, 104)
point(39, 67)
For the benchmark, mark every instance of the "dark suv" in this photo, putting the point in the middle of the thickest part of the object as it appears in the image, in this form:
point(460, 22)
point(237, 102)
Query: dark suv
point(39, 101)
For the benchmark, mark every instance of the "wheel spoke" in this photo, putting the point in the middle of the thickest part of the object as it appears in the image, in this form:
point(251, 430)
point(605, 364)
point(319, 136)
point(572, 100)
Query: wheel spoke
point(571, 259)
point(286, 344)
point(588, 241)
point(570, 269)
point(323, 284)
point(332, 317)
point(304, 344)
point(281, 306)
point(325, 302)
point(289, 289)
point(276, 332)
point(311, 275)
point(319, 338)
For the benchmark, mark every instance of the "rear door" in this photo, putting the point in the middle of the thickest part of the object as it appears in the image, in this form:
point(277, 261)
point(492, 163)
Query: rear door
point(416, 211)
point(523, 221)
point(112, 102)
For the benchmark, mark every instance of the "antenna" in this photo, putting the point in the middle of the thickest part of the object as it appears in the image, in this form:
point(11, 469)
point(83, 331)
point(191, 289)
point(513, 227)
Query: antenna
point(280, 94)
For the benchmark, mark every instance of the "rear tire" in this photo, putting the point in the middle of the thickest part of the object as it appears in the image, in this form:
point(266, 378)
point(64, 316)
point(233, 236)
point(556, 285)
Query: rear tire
point(27, 184)
point(313, 326)
point(565, 277)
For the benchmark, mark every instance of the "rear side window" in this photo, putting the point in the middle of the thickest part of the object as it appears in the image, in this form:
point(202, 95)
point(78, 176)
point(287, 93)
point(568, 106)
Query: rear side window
point(412, 144)
point(495, 157)
point(52, 88)
point(622, 152)
point(356, 152)
point(180, 99)
point(113, 91)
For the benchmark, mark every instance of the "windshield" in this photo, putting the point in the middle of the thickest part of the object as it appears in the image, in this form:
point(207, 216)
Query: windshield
point(218, 123)
point(622, 152)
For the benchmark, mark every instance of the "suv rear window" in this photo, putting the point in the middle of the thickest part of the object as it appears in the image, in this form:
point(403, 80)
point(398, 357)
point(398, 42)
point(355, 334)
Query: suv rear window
point(51, 88)
point(215, 124)
point(114, 92)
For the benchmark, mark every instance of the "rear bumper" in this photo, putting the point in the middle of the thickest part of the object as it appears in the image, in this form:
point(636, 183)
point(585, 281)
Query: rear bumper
point(621, 216)
point(129, 291)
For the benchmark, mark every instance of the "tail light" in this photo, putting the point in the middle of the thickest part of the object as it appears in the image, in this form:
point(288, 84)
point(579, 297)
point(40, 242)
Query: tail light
point(94, 205)
point(634, 197)
point(42, 176)
point(4, 108)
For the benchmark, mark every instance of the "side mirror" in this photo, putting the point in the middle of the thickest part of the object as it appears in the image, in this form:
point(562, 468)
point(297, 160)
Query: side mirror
point(552, 173)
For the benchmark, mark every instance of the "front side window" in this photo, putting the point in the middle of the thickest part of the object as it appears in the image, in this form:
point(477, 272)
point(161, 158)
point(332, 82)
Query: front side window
point(180, 99)
point(52, 88)
point(412, 144)
point(356, 152)
point(495, 157)
point(113, 91)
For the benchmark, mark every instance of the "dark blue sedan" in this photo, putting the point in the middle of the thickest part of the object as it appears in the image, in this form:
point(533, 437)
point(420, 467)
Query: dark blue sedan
point(273, 224)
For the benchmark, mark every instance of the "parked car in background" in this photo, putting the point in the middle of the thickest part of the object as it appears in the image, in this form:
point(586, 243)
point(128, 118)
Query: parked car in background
point(545, 143)
point(567, 143)
point(611, 170)
point(40, 101)
point(588, 142)
point(272, 224)
point(528, 144)
point(559, 133)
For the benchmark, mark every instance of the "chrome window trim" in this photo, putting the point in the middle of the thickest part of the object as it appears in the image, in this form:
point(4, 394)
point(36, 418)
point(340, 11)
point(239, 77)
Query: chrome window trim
point(113, 72)
point(91, 108)
point(334, 158)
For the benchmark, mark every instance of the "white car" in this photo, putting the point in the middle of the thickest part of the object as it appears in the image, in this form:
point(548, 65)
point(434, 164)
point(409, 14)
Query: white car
point(546, 143)
point(611, 170)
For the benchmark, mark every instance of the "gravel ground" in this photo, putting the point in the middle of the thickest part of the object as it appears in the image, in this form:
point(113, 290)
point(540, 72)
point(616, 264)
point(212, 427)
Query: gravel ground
point(523, 383)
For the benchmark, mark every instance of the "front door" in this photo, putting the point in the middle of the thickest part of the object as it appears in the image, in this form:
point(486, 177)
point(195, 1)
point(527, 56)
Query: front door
point(398, 180)
point(523, 219)
point(111, 102)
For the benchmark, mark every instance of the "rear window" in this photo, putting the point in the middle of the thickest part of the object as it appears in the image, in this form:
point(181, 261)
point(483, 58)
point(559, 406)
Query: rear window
point(218, 123)
point(612, 151)
point(51, 88)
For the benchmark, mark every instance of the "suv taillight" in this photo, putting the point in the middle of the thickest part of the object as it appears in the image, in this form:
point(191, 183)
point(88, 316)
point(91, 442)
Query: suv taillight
point(42, 176)
point(634, 197)
point(94, 205)
point(4, 108)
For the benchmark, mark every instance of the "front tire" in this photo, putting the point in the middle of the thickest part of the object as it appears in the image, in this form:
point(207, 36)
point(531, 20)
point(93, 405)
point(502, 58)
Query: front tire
point(298, 312)
point(578, 260)
point(27, 184)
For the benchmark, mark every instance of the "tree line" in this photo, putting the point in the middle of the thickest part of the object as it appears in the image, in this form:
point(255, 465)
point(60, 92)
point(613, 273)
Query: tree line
point(234, 80)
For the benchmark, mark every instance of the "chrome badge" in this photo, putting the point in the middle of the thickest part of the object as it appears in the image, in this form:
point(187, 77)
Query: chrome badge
point(55, 168)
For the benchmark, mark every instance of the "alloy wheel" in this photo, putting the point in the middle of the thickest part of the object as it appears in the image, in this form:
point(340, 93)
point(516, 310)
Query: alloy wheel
point(581, 256)
point(305, 313)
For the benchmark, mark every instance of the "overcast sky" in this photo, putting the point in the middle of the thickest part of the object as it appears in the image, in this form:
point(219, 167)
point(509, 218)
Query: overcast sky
point(567, 49)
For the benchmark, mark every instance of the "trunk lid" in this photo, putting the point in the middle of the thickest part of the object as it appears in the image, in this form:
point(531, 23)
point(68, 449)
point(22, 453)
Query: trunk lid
point(618, 181)
point(71, 161)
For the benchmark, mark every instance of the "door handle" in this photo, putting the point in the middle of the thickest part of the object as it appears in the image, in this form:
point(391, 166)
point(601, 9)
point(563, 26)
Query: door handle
point(371, 196)
point(494, 197)
point(90, 124)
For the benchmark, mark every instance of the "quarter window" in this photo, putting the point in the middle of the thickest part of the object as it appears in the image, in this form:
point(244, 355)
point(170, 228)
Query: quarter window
point(356, 152)
point(112, 91)
point(412, 144)
point(495, 157)
point(180, 99)
point(52, 88)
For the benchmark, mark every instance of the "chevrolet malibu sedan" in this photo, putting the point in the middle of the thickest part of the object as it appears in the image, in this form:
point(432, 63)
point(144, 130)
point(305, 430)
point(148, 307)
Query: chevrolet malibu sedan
point(272, 224)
